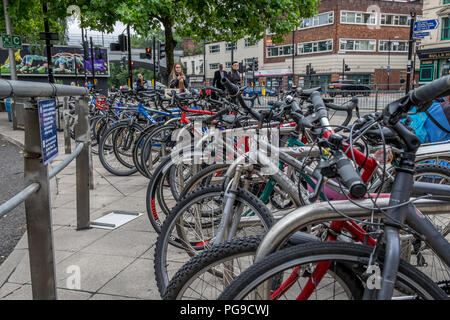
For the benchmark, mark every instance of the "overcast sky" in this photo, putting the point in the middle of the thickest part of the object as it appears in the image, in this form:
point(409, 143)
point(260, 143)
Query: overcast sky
point(73, 28)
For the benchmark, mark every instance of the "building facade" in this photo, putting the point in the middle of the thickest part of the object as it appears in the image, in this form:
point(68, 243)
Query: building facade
point(434, 50)
point(193, 66)
point(370, 37)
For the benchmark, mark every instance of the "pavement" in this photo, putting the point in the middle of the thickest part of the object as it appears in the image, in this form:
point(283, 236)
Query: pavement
point(113, 264)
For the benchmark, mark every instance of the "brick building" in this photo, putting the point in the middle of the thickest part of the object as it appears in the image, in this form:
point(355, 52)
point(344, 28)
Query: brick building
point(366, 35)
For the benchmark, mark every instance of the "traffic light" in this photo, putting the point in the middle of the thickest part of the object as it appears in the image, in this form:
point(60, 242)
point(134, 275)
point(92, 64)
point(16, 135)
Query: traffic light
point(86, 50)
point(250, 66)
point(157, 67)
point(147, 54)
point(347, 68)
point(132, 64)
point(124, 62)
point(309, 70)
point(241, 67)
point(255, 64)
point(123, 42)
point(162, 50)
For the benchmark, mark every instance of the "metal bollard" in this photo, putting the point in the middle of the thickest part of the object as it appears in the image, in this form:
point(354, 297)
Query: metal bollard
point(82, 135)
point(38, 211)
point(67, 142)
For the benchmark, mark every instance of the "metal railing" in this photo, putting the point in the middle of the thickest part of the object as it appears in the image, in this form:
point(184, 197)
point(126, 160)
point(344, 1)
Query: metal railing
point(36, 194)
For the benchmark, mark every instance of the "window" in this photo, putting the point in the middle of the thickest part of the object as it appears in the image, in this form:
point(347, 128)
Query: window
point(213, 66)
point(214, 48)
point(229, 46)
point(357, 45)
point(201, 66)
point(396, 46)
point(318, 20)
point(193, 66)
point(250, 43)
point(316, 46)
point(445, 35)
point(395, 20)
point(358, 17)
point(279, 51)
point(228, 64)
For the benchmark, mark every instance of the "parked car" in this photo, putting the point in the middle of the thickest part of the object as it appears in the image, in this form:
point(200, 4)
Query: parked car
point(348, 88)
point(258, 90)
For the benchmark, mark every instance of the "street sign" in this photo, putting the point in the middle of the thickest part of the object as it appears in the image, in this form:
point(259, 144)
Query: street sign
point(388, 68)
point(420, 35)
point(426, 25)
point(11, 41)
point(47, 124)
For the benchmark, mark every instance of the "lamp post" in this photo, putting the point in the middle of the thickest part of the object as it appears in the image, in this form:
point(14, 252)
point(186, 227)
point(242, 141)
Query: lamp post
point(389, 60)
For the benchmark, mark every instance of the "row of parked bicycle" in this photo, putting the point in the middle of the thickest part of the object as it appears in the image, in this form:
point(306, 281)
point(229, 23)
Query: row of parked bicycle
point(278, 203)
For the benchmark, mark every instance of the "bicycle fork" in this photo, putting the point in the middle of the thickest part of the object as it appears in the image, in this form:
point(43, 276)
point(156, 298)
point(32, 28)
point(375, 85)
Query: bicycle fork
point(229, 198)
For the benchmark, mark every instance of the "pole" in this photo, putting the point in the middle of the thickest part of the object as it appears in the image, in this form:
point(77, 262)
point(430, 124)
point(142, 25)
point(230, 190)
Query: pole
point(38, 211)
point(343, 69)
point(154, 63)
point(12, 59)
point(411, 40)
point(293, 56)
point(130, 71)
point(48, 46)
point(204, 63)
point(389, 64)
point(414, 65)
point(92, 62)
point(84, 53)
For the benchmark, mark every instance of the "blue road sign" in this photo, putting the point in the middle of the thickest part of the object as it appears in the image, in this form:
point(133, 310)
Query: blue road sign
point(47, 124)
point(426, 25)
point(388, 68)
point(421, 35)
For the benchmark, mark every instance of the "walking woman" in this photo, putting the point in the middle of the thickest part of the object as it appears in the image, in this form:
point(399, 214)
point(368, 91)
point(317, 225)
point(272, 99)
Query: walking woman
point(177, 78)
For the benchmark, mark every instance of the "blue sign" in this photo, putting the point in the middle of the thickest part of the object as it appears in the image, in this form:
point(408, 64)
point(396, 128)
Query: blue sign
point(47, 124)
point(388, 68)
point(426, 25)
point(421, 35)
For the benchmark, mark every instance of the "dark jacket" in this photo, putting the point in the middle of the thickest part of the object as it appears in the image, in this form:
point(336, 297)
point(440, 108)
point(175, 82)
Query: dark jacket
point(217, 80)
point(139, 86)
point(175, 84)
point(235, 77)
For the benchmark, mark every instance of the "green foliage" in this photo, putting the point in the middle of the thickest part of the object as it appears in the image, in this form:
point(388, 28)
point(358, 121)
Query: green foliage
point(27, 18)
point(118, 76)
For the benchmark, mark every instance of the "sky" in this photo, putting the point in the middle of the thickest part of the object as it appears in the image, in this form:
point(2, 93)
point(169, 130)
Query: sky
point(73, 28)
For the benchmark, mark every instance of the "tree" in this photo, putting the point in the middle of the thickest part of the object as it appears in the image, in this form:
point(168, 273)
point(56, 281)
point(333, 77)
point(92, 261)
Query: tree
point(211, 20)
point(27, 18)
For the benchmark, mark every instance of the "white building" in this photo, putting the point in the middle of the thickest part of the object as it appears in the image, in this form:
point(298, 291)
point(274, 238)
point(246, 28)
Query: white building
point(194, 69)
point(434, 50)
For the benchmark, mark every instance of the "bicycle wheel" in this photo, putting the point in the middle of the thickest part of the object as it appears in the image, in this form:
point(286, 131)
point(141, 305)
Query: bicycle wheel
point(193, 224)
point(138, 146)
point(207, 274)
point(157, 144)
point(115, 146)
point(298, 266)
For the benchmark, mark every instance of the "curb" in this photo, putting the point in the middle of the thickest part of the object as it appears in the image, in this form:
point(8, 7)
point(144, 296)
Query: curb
point(13, 141)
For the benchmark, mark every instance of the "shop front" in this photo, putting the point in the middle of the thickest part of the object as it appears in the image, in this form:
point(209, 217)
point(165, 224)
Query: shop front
point(434, 63)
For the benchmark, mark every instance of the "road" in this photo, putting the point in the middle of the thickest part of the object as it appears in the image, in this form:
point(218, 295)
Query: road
point(13, 224)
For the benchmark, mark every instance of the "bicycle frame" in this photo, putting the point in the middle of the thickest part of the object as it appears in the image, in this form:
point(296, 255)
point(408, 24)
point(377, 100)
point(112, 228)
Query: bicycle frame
point(322, 212)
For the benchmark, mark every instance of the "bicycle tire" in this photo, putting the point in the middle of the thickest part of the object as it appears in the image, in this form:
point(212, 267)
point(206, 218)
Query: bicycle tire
point(164, 267)
point(355, 256)
point(111, 132)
